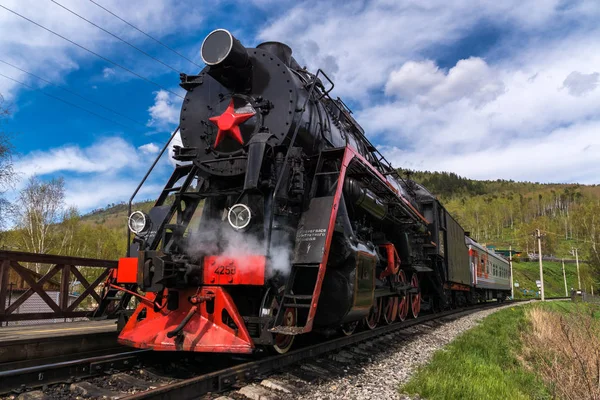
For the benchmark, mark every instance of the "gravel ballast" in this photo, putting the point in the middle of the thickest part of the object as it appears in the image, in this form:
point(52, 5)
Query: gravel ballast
point(388, 365)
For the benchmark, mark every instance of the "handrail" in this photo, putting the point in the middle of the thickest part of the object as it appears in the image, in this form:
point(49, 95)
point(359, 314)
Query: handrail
point(142, 183)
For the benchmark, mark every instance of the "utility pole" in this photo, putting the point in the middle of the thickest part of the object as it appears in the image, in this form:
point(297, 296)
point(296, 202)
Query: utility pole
point(578, 276)
point(512, 285)
point(565, 278)
point(539, 239)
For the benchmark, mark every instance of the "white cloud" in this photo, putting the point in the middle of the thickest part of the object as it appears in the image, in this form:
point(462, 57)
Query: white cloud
point(106, 155)
point(565, 155)
point(108, 73)
point(106, 190)
point(366, 41)
point(164, 113)
point(413, 79)
point(535, 130)
point(105, 172)
point(579, 84)
point(149, 148)
point(426, 84)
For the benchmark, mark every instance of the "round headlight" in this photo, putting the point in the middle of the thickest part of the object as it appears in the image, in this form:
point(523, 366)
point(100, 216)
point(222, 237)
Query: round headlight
point(239, 216)
point(138, 222)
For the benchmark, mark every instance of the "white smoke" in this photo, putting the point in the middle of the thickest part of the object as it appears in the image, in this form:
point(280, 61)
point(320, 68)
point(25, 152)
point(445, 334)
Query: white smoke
point(218, 238)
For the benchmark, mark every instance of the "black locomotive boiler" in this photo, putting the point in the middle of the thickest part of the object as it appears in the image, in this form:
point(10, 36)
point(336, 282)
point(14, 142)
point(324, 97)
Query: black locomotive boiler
point(281, 218)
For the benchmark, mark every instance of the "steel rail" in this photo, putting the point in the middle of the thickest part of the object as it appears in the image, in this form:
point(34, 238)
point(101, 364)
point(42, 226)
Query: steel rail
point(221, 380)
point(41, 375)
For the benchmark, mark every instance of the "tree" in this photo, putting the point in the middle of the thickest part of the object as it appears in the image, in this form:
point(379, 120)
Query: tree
point(7, 173)
point(37, 211)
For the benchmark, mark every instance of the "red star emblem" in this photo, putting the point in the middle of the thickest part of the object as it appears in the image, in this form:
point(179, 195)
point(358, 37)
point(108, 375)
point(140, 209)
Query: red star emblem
point(229, 121)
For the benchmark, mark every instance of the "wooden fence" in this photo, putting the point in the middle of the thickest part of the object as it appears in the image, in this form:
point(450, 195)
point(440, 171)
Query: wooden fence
point(56, 273)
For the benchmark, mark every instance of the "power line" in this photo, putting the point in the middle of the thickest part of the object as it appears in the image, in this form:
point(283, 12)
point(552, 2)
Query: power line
point(574, 239)
point(92, 52)
point(65, 101)
point(74, 93)
point(115, 36)
point(144, 33)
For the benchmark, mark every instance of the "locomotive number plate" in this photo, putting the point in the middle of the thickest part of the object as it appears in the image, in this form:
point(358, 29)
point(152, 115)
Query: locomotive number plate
point(242, 270)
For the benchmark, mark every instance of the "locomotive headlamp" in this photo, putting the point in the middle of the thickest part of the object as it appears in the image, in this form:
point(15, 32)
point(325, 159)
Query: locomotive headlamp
point(239, 216)
point(139, 222)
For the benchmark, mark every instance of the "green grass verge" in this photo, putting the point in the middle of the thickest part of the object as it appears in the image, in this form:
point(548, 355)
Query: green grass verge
point(482, 363)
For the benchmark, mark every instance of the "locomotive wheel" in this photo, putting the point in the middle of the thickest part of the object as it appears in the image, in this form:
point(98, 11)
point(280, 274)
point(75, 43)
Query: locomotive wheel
point(349, 328)
point(403, 304)
point(390, 309)
point(283, 343)
point(415, 298)
point(390, 305)
point(374, 315)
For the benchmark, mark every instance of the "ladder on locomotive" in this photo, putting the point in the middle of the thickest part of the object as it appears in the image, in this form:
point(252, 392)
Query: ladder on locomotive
point(121, 298)
point(303, 286)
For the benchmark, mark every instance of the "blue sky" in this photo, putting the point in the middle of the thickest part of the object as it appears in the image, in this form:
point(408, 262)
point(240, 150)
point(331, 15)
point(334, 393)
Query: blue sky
point(486, 89)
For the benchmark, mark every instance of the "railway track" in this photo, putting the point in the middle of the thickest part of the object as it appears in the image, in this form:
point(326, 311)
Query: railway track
point(142, 374)
point(222, 380)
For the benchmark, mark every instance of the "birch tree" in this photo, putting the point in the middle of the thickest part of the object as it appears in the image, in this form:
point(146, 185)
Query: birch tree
point(7, 173)
point(37, 212)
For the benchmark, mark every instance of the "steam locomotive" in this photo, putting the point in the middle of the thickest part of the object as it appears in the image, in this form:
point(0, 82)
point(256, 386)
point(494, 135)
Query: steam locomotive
point(281, 218)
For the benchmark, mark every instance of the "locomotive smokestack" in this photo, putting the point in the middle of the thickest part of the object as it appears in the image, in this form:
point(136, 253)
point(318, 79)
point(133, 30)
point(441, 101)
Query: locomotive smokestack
point(282, 51)
point(221, 48)
point(227, 59)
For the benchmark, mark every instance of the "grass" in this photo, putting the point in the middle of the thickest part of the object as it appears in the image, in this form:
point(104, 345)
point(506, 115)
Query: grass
point(563, 347)
point(482, 363)
point(568, 307)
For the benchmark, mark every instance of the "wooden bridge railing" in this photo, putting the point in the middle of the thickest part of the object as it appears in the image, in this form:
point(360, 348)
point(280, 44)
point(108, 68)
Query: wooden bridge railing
point(15, 278)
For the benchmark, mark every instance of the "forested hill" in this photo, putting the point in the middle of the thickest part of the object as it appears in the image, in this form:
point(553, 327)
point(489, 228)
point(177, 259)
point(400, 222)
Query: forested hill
point(499, 213)
point(505, 212)
point(447, 185)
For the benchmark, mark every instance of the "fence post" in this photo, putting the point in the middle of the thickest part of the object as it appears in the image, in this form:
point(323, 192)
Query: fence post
point(64, 289)
point(4, 276)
